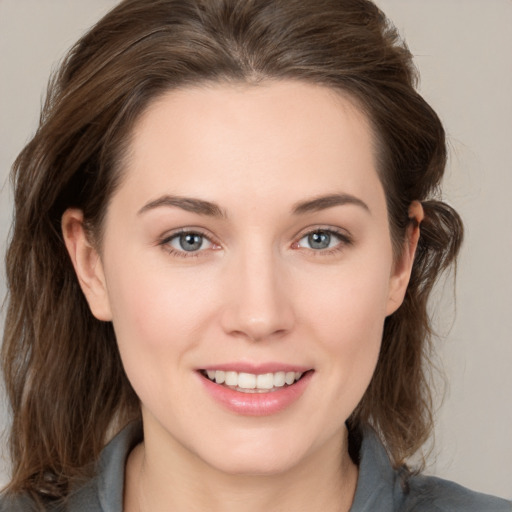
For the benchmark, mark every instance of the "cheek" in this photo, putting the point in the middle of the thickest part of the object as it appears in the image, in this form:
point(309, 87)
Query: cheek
point(347, 318)
point(154, 306)
point(157, 318)
point(349, 303)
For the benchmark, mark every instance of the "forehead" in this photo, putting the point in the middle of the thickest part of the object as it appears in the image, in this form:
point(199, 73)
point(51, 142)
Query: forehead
point(260, 139)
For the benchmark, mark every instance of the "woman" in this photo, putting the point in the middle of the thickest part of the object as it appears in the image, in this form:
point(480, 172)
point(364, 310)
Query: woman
point(229, 231)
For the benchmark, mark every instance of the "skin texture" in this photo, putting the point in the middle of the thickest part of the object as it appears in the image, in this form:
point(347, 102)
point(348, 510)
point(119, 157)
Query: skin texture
point(256, 291)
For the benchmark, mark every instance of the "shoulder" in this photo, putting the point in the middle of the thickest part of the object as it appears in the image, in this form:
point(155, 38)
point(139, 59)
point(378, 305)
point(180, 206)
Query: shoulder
point(16, 504)
point(85, 499)
point(104, 491)
point(386, 489)
point(431, 494)
point(23, 503)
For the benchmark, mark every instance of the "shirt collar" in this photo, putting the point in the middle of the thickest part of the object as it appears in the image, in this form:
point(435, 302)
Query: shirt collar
point(378, 486)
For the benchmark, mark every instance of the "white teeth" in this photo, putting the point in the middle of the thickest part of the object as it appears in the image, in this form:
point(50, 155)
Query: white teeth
point(246, 380)
point(250, 381)
point(289, 378)
point(231, 379)
point(279, 379)
point(265, 381)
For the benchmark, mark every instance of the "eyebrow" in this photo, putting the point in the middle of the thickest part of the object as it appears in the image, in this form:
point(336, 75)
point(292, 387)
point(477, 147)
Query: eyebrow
point(328, 201)
point(188, 204)
point(202, 207)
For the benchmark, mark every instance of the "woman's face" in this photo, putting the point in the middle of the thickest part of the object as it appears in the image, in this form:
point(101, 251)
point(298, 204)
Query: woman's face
point(248, 241)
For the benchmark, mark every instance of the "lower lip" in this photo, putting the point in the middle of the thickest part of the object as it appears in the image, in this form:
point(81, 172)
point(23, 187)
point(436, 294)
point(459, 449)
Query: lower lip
point(257, 404)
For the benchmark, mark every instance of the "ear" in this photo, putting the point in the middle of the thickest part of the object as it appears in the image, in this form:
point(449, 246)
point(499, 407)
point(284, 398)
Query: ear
point(87, 263)
point(402, 268)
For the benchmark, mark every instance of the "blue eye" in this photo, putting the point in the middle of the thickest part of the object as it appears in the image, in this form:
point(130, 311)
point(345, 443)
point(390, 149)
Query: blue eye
point(321, 239)
point(188, 242)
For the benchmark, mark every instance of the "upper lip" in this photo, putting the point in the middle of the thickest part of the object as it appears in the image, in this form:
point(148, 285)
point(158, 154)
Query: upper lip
point(257, 368)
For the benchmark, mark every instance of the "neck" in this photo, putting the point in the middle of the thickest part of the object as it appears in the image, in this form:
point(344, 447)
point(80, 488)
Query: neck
point(158, 479)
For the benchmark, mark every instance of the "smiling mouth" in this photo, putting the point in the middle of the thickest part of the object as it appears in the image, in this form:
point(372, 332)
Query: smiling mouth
point(251, 382)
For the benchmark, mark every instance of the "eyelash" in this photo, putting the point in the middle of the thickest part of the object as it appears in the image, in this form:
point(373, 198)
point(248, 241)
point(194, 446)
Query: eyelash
point(165, 243)
point(344, 240)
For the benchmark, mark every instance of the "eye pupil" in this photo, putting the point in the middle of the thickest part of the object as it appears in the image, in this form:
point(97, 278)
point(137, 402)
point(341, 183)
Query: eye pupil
point(319, 240)
point(190, 241)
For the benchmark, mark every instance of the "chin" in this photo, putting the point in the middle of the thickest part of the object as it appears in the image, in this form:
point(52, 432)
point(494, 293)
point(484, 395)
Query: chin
point(257, 465)
point(260, 454)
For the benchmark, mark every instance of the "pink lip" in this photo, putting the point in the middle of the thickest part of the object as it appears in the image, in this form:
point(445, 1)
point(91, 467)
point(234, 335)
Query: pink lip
point(256, 404)
point(257, 368)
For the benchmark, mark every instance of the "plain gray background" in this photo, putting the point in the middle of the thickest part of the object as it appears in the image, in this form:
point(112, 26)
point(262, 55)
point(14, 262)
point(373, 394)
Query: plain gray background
point(463, 49)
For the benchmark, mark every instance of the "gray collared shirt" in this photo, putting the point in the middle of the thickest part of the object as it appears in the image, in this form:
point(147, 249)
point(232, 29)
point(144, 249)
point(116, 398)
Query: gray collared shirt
point(380, 488)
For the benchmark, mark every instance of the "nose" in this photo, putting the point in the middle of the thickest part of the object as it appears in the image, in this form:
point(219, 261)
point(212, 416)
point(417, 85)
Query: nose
point(258, 302)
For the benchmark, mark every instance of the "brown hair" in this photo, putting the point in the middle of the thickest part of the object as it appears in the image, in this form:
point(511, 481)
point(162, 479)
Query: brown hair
point(63, 374)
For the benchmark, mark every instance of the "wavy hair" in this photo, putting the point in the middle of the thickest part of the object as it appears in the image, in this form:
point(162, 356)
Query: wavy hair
point(63, 374)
